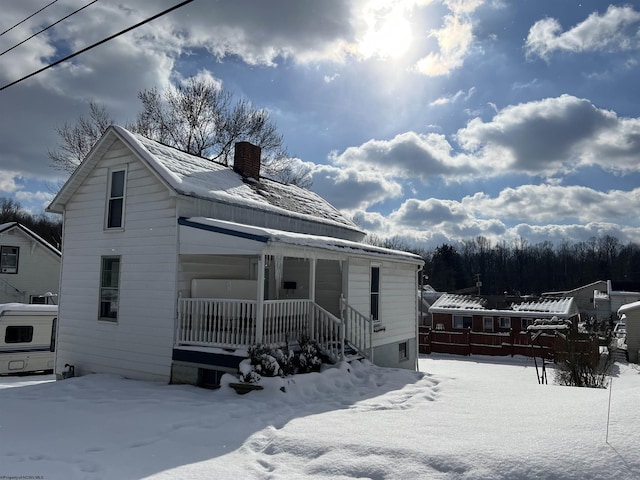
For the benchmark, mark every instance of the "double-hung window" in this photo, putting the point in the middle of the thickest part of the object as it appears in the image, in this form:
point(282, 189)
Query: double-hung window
point(462, 321)
point(525, 322)
point(109, 288)
point(504, 322)
point(487, 323)
point(375, 293)
point(9, 259)
point(115, 202)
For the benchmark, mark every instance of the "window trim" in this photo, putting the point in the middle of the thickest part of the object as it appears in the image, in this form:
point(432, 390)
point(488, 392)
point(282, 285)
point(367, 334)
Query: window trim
point(103, 288)
point(464, 322)
point(528, 321)
point(486, 320)
point(504, 322)
point(111, 199)
point(19, 336)
point(403, 352)
point(377, 294)
point(6, 269)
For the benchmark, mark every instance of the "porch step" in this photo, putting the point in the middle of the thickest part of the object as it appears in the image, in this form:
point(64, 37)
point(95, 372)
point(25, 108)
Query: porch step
point(351, 353)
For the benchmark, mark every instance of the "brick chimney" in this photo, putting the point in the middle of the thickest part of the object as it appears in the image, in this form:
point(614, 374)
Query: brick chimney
point(246, 160)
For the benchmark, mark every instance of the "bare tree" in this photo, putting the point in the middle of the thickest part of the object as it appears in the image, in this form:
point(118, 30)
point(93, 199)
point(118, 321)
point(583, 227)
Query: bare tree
point(77, 140)
point(197, 117)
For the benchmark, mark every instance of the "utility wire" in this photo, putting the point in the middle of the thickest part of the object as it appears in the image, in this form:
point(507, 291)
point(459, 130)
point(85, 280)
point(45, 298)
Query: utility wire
point(68, 57)
point(47, 28)
point(33, 14)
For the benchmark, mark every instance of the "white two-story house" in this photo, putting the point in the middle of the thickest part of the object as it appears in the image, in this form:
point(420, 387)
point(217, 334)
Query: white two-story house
point(174, 264)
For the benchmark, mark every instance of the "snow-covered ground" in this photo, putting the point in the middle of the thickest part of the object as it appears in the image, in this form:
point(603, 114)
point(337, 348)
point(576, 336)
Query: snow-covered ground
point(462, 417)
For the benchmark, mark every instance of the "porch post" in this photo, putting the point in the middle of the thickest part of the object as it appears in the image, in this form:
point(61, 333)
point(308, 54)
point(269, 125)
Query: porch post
point(312, 297)
point(260, 301)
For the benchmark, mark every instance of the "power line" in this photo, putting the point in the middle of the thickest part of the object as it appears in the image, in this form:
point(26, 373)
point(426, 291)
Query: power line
point(47, 28)
point(68, 57)
point(33, 14)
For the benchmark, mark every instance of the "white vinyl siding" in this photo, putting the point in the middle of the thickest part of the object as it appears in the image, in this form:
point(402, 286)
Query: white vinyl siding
point(38, 269)
point(398, 298)
point(140, 344)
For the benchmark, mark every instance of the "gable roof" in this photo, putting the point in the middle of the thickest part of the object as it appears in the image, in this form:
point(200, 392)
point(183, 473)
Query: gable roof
point(199, 177)
point(546, 306)
point(6, 227)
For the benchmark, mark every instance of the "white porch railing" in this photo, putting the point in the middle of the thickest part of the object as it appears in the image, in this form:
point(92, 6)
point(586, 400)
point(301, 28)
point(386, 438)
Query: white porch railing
point(223, 323)
point(232, 324)
point(358, 329)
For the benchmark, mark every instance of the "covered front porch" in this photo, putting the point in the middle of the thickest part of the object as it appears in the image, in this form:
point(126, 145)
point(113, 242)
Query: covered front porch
point(233, 324)
point(240, 286)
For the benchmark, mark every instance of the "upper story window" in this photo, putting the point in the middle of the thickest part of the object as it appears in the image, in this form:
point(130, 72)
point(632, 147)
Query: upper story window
point(9, 259)
point(504, 322)
point(115, 203)
point(375, 293)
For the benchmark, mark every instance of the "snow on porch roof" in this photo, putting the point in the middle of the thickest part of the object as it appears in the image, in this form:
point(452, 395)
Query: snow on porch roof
point(200, 177)
point(303, 240)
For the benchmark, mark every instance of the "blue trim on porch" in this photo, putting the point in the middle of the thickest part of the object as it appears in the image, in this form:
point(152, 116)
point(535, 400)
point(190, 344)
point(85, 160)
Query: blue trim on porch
point(225, 231)
point(207, 358)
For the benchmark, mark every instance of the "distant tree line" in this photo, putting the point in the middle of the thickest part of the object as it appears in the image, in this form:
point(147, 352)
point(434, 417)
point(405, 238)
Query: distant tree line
point(47, 227)
point(525, 267)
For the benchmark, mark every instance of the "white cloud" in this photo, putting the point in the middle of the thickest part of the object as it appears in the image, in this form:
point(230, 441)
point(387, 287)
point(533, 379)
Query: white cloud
point(351, 188)
point(547, 204)
point(615, 30)
point(454, 40)
point(574, 132)
point(9, 181)
point(407, 155)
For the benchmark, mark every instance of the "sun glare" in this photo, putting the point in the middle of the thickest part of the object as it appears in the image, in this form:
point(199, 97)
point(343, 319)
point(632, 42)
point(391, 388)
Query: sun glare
point(388, 32)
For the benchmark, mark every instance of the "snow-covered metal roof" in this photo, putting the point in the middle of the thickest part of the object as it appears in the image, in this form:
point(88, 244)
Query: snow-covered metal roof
point(199, 177)
point(459, 302)
point(271, 238)
point(454, 303)
point(547, 305)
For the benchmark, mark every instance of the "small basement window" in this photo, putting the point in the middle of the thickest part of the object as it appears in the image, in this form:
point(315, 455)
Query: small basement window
point(18, 334)
point(402, 351)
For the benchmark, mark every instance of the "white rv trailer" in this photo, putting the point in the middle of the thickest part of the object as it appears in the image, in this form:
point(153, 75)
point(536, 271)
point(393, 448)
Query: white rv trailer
point(27, 337)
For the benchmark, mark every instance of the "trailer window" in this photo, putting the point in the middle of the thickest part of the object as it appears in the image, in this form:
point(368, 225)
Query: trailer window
point(18, 334)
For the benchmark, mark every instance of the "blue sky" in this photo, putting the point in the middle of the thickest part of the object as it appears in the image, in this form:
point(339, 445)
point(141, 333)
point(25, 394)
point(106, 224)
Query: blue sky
point(431, 121)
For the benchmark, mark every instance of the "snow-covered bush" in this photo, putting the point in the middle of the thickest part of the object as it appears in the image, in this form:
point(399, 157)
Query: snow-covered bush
point(308, 358)
point(271, 361)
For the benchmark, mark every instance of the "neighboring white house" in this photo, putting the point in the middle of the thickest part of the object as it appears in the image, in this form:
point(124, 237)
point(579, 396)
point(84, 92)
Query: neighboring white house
point(630, 313)
point(174, 265)
point(608, 302)
point(29, 266)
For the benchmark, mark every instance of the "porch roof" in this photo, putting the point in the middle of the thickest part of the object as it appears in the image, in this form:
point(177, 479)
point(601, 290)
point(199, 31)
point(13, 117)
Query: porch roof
point(236, 238)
